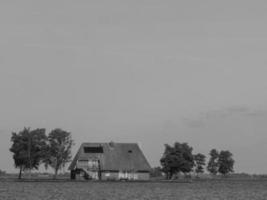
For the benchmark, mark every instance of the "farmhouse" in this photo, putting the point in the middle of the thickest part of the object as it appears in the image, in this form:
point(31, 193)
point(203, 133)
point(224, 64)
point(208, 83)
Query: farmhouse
point(110, 161)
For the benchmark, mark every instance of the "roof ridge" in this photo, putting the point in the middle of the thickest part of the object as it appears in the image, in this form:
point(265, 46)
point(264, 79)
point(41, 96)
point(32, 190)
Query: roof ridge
point(109, 142)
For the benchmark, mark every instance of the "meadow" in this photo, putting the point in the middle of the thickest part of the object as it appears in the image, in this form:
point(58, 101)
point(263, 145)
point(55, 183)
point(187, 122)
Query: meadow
point(82, 190)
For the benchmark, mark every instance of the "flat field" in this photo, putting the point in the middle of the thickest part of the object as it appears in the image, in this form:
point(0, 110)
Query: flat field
point(67, 190)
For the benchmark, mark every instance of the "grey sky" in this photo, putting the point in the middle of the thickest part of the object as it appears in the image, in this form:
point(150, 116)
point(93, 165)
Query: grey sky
point(154, 72)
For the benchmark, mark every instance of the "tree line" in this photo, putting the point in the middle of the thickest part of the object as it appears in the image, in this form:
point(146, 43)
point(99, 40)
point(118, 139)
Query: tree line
point(31, 148)
point(179, 158)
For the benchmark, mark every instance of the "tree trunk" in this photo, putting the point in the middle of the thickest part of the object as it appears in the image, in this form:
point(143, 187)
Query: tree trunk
point(170, 175)
point(167, 175)
point(20, 172)
point(55, 175)
point(30, 174)
point(29, 156)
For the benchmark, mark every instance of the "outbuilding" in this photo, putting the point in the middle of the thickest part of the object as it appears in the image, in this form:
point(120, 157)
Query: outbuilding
point(110, 161)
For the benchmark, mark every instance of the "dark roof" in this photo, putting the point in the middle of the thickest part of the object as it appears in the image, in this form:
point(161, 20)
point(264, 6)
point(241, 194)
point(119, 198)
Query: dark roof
point(115, 156)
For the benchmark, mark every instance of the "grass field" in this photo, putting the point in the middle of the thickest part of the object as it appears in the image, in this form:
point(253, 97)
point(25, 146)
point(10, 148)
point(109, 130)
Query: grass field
point(206, 190)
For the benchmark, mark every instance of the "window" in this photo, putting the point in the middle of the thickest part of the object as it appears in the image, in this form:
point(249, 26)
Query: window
point(107, 174)
point(93, 149)
point(93, 164)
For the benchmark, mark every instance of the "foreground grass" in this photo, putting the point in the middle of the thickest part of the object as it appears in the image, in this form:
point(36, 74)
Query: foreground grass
point(206, 190)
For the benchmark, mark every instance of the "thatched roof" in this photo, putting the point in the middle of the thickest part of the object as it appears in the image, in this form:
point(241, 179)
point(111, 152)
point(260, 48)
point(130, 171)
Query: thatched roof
point(115, 156)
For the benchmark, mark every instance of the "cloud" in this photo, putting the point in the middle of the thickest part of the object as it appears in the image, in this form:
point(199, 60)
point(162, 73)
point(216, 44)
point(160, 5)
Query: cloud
point(226, 112)
point(237, 109)
point(193, 123)
point(257, 113)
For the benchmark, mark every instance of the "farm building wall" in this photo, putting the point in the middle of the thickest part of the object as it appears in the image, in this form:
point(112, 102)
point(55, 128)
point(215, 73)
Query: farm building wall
point(143, 176)
point(109, 175)
point(106, 175)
